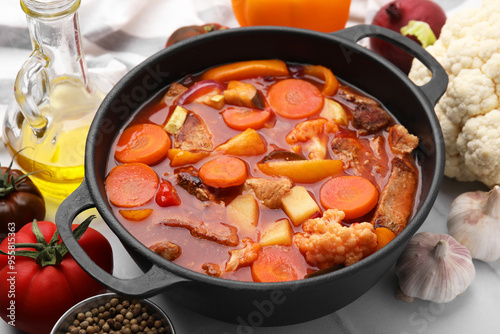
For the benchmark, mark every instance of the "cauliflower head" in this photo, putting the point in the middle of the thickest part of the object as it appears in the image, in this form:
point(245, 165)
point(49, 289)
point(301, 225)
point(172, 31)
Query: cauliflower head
point(325, 242)
point(469, 50)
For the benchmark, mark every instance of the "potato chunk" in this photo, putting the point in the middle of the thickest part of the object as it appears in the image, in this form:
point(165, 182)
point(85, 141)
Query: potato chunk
point(299, 205)
point(176, 121)
point(243, 211)
point(333, 111)
point(280, 233)
point(247, 143)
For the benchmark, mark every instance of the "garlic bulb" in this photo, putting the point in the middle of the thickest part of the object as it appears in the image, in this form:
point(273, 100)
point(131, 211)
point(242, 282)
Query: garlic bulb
point(434, 267)
point(474, 221)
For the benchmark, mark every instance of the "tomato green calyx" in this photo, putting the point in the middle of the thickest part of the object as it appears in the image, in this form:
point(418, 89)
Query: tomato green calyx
point(10, 184)
point(48, 253)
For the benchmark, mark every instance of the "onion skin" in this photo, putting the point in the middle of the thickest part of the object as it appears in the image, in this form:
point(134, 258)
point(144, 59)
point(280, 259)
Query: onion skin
point(397, 14)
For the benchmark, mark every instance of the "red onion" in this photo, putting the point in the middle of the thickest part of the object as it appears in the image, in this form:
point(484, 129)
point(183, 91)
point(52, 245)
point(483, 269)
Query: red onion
point(398, 14)
point(199, 89)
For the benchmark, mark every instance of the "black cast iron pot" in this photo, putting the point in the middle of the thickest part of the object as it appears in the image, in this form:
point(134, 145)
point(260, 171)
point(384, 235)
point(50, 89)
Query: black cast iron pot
point(266, 304)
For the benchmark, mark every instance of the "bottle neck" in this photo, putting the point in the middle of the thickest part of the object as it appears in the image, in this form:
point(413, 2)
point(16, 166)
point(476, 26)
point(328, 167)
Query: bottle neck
point(55, 32)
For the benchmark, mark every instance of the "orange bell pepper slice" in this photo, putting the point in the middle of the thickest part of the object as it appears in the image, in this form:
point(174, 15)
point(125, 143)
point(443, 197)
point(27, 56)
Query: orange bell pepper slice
point(331, 83)
point(246, 69)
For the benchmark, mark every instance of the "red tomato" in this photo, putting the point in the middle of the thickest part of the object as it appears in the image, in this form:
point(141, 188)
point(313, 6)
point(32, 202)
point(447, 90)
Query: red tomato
point(33, 297)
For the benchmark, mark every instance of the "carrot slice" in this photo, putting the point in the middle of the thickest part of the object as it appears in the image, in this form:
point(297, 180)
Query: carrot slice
point(295, 98)
point(384, 236)
point(223, 172)
point(246, 69)
point(331, 83)
point(146, 143)
point(131, 185)
point(354, 195)
point(242, 119)
point(275, 264)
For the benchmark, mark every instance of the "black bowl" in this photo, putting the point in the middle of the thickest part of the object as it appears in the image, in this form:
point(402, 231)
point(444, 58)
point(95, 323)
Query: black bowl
point(261, 304)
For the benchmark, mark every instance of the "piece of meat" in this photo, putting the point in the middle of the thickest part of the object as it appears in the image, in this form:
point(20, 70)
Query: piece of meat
point(269, 192)
point(187, 178)
point(349, 94)
point(396, 200)
point(244, 256)
point(368, 115)
point(220, 233)
point(173, 93)
point(193, 135)
point(369, 118)
point(212, 269)
point(167, 250)
point(347, 150)
point(401, 141)
point(362, 162)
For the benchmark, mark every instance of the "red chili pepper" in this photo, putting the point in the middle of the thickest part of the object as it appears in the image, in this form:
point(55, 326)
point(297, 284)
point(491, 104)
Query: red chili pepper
point(167, 195)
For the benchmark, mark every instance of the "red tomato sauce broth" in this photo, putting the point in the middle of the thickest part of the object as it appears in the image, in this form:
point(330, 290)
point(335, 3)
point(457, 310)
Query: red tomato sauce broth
point(197, 251)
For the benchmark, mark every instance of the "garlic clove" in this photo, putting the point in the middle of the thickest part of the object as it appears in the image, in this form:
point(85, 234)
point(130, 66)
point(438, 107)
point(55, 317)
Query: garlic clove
point(434, 267)
point(474, 221)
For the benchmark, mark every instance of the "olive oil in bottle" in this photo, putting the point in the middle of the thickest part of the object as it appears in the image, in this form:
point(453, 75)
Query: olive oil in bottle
point(46, 128)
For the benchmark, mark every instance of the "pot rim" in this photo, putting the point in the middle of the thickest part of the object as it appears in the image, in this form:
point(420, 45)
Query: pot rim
point(124, 236)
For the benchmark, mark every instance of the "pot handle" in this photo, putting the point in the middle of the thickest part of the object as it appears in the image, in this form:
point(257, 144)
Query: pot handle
point(149, 284)
point(436, 87)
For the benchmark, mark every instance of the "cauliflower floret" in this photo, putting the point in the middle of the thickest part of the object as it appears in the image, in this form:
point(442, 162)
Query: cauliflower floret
point(325, 242)
point(479, 144)
point(311, 134)
point(244, 256)
point(469, 51)
point(471, 93)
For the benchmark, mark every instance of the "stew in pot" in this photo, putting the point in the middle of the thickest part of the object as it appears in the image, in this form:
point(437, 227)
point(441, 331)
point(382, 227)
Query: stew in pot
point(263, 171)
